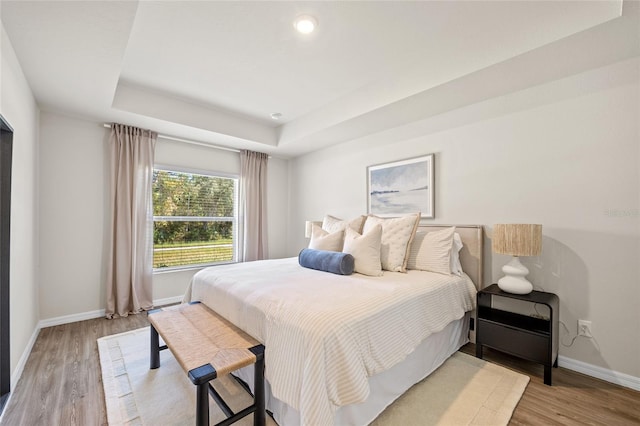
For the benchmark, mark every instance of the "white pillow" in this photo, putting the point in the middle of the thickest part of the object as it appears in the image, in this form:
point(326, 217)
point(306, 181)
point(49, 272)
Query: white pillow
point(456, 266)
point(322, 240)
point(333, 224)
point(397, 234)
point(365, 250)
point(431, 251)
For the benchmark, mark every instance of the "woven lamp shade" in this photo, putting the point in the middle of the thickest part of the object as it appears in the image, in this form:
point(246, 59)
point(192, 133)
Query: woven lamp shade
point(517, 239)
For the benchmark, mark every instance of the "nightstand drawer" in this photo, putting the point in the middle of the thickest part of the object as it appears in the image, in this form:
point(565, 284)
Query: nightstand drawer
point(517, 342)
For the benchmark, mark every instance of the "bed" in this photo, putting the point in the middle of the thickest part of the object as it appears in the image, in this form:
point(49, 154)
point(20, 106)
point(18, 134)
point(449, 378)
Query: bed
point(340, 349)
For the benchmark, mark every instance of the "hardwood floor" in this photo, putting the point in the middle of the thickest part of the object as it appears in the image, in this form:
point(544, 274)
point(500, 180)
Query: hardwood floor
point(62, 384)
point(574, 398)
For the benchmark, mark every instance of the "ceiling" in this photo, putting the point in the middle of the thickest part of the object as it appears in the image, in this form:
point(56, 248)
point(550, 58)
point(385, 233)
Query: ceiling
point(214, 71)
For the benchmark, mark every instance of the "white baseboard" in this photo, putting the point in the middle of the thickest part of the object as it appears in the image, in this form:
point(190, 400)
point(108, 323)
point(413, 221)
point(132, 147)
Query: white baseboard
point(168, 300)
point(66, 319)
point(17, 372)
point(605, 374)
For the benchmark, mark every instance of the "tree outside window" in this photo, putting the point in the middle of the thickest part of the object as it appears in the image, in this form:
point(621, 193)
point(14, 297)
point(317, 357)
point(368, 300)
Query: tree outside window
point(195, 219)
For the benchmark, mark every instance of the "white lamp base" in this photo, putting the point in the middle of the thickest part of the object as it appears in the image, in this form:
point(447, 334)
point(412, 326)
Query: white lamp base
point(514, 280)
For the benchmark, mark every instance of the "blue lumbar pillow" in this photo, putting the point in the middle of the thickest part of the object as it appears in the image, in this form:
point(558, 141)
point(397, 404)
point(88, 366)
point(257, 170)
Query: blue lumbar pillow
point(328, 261)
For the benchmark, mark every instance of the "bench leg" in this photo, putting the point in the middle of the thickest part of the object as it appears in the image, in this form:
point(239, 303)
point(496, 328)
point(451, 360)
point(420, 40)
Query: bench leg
point(259, 417)
point(202, 404)
point(155, 349)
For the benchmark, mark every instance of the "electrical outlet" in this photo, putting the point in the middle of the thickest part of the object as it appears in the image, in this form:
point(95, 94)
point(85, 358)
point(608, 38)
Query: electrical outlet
point(584, 328)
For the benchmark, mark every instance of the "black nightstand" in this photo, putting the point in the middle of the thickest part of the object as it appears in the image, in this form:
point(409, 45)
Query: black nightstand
point(532, 338)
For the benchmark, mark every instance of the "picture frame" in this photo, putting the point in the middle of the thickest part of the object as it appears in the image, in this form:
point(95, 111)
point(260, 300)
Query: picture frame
point(402, 187)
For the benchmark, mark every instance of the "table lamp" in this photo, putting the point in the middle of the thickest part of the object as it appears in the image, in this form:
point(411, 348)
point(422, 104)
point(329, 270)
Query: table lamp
point(308, 226)
point(516, 240)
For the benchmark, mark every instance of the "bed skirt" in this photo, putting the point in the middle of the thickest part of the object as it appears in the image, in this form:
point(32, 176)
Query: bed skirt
point(385, 387)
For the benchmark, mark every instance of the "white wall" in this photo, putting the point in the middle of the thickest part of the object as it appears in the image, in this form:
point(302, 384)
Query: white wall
point(74, 211)
point(74, 191)
point(564, 154)
point(19, 108)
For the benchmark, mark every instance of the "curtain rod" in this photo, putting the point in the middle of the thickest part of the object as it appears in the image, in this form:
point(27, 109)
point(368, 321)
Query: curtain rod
point(189, 141)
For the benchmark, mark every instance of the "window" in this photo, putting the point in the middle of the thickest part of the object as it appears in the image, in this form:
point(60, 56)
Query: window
point(194, 219)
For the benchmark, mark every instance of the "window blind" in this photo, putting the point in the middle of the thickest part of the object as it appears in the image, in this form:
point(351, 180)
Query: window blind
point(194, 219)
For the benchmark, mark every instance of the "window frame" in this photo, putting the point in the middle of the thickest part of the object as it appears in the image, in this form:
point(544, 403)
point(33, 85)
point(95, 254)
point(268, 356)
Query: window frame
point(234, 220)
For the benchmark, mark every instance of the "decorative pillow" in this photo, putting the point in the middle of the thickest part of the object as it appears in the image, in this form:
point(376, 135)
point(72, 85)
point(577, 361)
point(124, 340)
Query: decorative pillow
point(333, 224)
point(456, 266)
point(322, 240)
point(397, 234)
point(431, 251)
point(327, 261)
point(365, 250)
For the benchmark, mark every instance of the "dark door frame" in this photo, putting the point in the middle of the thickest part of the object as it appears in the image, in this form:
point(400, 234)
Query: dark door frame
point(6, 149)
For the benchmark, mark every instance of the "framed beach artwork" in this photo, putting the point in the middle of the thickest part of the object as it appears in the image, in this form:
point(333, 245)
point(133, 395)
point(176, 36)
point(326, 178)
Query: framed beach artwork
point(401, 187)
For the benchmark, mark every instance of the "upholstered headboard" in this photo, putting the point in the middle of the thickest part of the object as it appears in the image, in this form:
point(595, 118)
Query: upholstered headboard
point(471, 254)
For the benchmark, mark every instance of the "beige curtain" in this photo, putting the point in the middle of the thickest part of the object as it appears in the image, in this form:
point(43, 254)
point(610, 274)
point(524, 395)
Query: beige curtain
point(129, 267)
point(253, 206)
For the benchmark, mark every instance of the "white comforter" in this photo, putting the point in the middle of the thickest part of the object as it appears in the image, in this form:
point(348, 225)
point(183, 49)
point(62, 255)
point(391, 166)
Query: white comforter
point(324, 334)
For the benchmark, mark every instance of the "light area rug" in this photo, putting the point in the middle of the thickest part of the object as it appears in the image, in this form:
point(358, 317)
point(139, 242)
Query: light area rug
point(463, 391)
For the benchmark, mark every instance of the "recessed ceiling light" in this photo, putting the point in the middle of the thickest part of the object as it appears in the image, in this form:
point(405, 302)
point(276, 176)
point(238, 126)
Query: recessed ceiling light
point(276, 115)
point(305, 24)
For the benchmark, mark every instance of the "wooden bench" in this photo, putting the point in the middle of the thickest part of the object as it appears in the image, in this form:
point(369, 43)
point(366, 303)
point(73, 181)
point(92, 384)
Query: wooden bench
point(208, 346)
